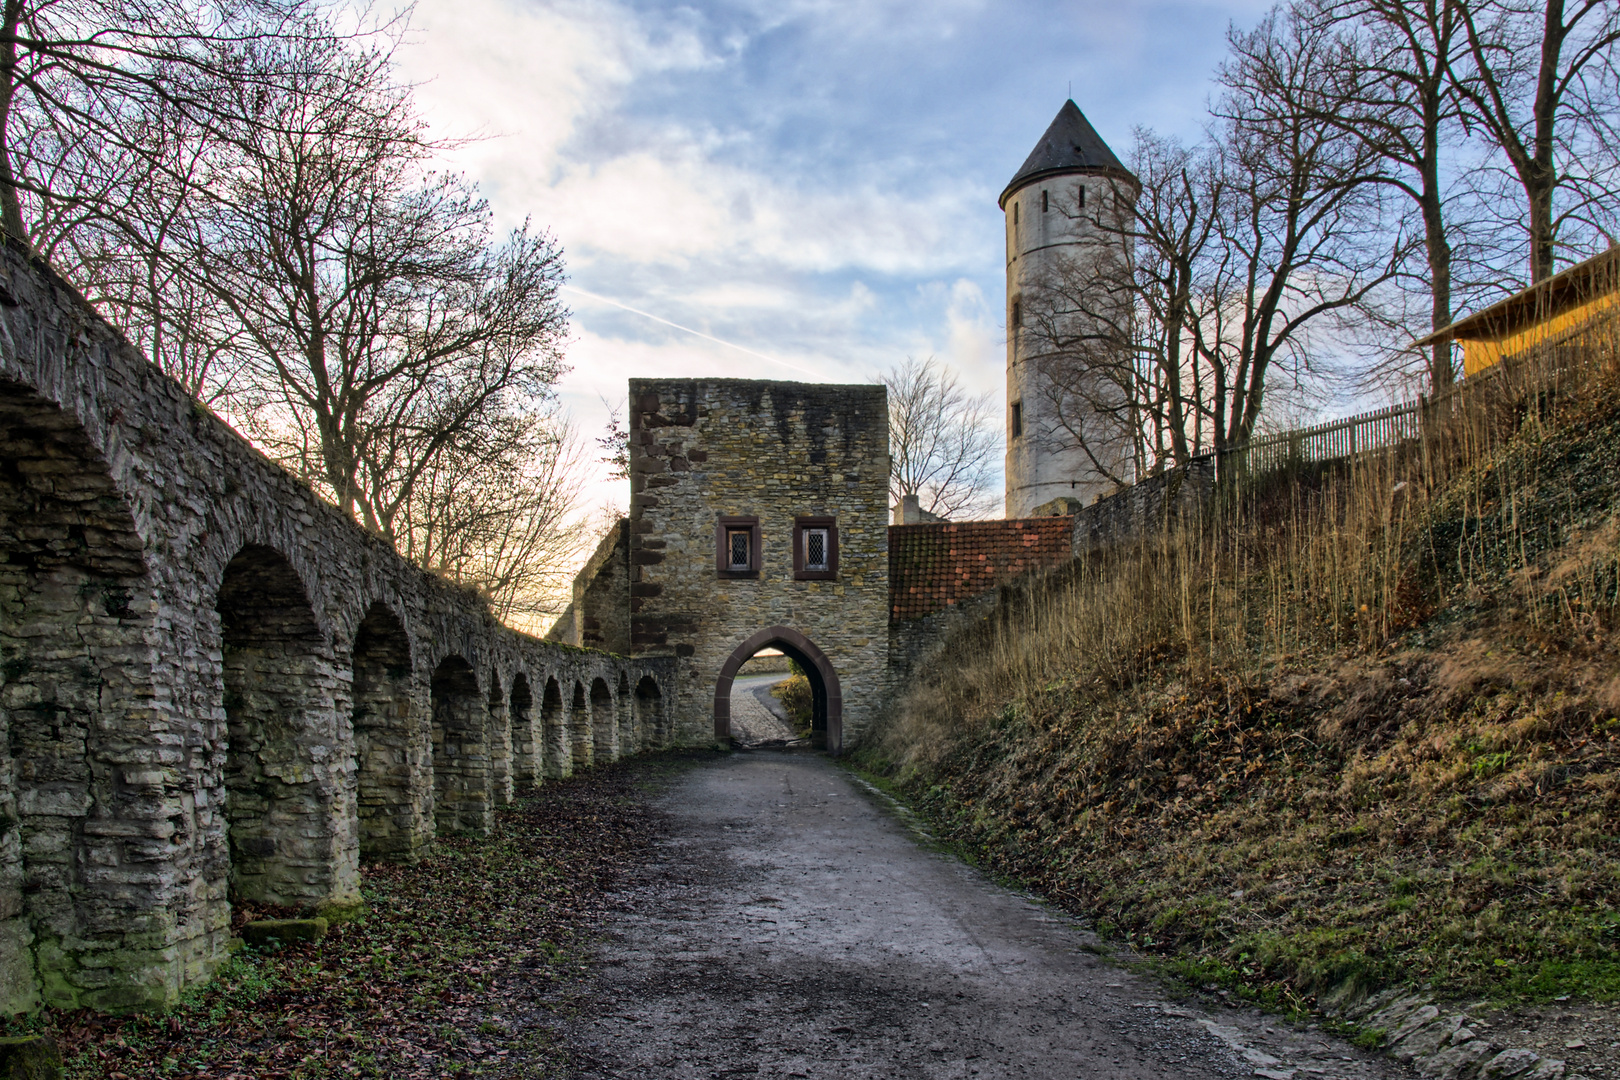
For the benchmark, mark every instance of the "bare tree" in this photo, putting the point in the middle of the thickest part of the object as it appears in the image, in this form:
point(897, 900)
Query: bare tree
point(1300, 229)
point(378, 323)
point(943, 441)
point(1389, 84)
point(1225, 262)
point(125, 252)
point(249, 195)
point(97, 74)
point(499, 510)
point(1545, 87)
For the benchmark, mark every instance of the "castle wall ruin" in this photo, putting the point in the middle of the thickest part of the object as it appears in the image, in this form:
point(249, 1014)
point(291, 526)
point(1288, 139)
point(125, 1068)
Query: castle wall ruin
point(214, 685)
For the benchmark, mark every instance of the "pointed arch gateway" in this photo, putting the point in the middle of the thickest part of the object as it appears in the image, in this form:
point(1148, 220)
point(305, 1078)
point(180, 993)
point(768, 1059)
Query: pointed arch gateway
point(827, 698)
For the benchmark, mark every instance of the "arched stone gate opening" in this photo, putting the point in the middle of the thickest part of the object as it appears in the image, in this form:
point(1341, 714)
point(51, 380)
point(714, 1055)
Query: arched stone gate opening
point(827, 698)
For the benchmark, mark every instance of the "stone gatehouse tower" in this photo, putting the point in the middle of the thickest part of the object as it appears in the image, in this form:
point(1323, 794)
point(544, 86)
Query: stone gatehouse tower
point(759, 518)
point(1065, 232)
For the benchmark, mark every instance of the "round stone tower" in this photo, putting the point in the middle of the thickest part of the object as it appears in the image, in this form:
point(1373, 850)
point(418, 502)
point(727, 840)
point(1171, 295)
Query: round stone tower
point(1066, 221)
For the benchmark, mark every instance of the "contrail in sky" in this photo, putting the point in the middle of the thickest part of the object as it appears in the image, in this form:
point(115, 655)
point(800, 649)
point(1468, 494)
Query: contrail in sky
point(687, 329)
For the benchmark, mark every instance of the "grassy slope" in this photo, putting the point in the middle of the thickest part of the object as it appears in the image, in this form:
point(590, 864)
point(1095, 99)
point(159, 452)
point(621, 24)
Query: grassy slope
point(1440, 807)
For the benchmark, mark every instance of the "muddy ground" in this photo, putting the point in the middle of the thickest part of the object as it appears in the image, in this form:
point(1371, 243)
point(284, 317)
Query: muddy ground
point(790, 925)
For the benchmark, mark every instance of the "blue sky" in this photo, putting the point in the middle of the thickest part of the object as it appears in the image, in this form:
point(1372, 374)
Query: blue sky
point(812, 181)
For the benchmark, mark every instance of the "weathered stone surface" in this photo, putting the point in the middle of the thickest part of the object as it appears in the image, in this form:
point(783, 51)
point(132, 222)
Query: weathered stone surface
point(1420, 1039)
point(1459, 1060)
point(344, 910)
point(1509, 1063)
point(29, 1057)
point(211, 681)
point(1154, 504)
point(599, 615)
point(270, 933)
point(770, 453)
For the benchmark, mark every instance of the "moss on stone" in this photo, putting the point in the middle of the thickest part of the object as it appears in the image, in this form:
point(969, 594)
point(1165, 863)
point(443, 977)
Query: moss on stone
point(341, 909)
point(274, 933)
point(29, 1057)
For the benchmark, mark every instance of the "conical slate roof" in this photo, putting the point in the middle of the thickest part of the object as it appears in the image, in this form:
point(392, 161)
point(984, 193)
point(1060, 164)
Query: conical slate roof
point(1070, 145)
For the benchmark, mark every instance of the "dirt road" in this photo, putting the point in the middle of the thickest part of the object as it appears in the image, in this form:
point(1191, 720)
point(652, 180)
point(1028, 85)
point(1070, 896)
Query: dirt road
point(794, 927)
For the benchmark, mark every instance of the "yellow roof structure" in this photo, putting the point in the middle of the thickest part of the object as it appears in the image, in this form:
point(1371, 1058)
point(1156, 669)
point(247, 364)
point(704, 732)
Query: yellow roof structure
point(1549, 311)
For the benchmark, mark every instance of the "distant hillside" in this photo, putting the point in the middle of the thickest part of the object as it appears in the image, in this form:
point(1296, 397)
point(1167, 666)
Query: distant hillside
point(1358, 727)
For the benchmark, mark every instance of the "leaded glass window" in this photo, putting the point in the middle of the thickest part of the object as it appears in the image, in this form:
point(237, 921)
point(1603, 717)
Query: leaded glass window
point(816, 549)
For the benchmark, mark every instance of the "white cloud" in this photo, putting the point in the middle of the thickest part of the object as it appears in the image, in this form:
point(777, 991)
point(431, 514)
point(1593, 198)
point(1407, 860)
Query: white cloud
point(677, 154)
point(532, 73)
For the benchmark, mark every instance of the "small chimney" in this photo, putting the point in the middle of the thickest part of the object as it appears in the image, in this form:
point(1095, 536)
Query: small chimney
point(909, 511)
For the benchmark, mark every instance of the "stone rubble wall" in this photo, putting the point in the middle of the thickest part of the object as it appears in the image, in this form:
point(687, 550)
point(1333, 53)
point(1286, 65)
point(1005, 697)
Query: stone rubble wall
point(602, 594)
point(213, 683)
point(1181, 493)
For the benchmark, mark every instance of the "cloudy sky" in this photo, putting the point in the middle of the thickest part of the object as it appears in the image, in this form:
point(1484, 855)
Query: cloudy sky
point(809, 185)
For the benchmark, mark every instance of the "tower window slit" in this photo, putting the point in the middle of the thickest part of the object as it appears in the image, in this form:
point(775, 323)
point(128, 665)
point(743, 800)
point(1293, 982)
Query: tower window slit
point(1043, 202)
point(1017, 419)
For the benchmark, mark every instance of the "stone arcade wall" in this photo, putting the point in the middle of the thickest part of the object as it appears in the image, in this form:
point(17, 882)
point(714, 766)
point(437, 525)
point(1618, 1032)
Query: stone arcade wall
point(212, 683)
point(703, 449)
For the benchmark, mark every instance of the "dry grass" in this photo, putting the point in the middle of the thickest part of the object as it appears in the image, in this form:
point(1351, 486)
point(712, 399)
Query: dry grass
point(1357, 725)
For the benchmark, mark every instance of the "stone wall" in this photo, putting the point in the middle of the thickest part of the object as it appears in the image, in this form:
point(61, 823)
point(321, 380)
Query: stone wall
point(703, 450)
point(1156, 503)
point(602, 593)
point(598, 616)
point(214, 684)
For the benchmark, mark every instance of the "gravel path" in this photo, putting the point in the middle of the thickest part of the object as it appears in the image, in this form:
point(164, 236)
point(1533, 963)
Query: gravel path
point(795, 927)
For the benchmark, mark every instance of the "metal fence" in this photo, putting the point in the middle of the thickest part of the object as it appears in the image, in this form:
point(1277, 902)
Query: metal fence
point(1374, 431)
point(1363, 433)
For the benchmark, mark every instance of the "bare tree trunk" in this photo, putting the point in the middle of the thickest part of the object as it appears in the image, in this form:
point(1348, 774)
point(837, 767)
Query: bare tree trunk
point(1491, 94)
point(11, 218)
point(1540, 176)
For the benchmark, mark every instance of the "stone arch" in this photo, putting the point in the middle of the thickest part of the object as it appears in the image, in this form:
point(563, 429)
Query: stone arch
point(460, 753)
point(525, 746)
point(558, 759)
point(649, 706)
point(604, 736)
point(77, 824)
point(388, 764)
point(499, 742)
point(625, 717)
point(289, 807)
point(827, 708)
point(579, 730)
